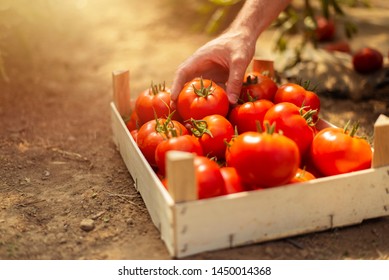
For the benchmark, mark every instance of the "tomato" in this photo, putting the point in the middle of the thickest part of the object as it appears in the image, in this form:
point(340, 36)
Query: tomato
point(257, 86)
point(210, 182)
point(152, 103)
point(294, 123)
point(246, 116)
point(302, 176)
point(184, 143)
point(133, 121)
point(200, 98)
point(213, 132)
point(298, 95)
point(325, 29)
point(232, 181)
point(154, 132)
point(337, 151)
point(134, 134)
point(367, 60)
point(263, 159)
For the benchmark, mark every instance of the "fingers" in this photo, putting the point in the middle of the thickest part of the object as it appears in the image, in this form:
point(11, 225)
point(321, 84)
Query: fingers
point(234, 84)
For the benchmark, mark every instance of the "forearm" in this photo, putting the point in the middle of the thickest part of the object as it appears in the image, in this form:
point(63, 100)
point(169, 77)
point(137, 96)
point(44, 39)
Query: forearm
point(256, 15)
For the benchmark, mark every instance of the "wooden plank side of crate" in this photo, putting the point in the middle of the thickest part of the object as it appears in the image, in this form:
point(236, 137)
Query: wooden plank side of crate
point(258, 216)
point(157, 200)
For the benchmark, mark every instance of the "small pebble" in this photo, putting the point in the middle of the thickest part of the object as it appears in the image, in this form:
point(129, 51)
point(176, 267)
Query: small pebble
point(87, 224)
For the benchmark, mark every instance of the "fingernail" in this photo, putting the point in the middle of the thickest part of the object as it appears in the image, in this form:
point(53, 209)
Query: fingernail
point(232, 98)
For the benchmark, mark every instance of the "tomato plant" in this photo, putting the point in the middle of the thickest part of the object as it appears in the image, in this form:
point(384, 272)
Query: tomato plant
point(265, 159)
point(184, 143)
point(213, 132)
point(294, 122)
point(210, 182)
point(337, 151)
point(154, 132)
point(257, 86)
point(298, 95)
point(246, 116)
point(367, 60)
point(200, 98)
point(232, 181)
point(152, 103)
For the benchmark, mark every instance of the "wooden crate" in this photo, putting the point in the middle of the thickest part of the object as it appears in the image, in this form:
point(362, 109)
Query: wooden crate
point(190, 226)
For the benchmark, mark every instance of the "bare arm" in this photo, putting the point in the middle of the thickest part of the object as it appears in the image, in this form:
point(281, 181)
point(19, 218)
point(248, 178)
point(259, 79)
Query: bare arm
point(225, 58)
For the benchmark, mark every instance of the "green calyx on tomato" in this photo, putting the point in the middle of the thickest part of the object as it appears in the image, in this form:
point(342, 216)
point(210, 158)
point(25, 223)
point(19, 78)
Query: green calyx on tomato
point(199, 128)
point(308, 115)
point(203, 91)
point(155, 89)
point(167, 128)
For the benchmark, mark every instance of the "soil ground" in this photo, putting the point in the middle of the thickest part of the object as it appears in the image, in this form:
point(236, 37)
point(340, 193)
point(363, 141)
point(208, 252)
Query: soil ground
point(58, 161)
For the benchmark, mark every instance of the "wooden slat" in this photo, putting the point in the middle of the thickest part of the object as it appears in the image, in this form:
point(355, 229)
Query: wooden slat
point(381, 142)
point(121, 91)
point(264, 66)
point(259, 216)
point(181, 176)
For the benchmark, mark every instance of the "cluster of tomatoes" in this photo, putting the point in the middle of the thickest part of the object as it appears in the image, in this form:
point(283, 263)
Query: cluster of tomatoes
point(266, 140)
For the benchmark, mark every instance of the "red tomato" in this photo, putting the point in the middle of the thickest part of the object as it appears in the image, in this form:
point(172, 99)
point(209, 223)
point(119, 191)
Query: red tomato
point(213, 132)
point(184, 143)
point(263, 159)
point(233, 183)
point(302, 176)
point(133, 121)
point(367, 60)
point(154, 132)
point(152, 103)
point(200, 98)
point(325, 30)
point(257, 86)
point(337, 151)
point(294, 123)
point(296, 94)
point(210, 182)
point(246, 116)
point(134, 134)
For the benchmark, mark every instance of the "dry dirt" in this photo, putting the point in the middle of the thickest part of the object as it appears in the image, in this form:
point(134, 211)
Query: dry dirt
point(58, 161)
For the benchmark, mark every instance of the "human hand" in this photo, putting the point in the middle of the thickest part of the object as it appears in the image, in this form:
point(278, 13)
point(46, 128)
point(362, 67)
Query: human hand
point(223, 60)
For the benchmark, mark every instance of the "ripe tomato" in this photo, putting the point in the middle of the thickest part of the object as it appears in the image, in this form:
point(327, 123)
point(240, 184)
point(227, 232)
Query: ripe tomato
point(337, 151)
point(133, 121)
point(263, 159)
point(185, 143)
point(200, 98)
point(154, 132)
point(367, 60)
point(246, 116)
point(232, 181)
point(257, 86)
point(213, 132)
point(210, 182)
point(298, 95)
point(302, 176)
point(325, 29)
point(152, 103)
point(294, 123)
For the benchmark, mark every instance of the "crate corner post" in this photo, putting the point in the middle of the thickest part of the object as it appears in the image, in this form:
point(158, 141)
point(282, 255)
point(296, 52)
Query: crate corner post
point(381, 143)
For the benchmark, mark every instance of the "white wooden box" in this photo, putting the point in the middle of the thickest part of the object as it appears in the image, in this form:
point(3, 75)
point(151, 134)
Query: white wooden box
point(190, 227)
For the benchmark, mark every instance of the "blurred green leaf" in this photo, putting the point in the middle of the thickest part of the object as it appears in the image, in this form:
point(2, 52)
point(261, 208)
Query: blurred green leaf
point(225, 2)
